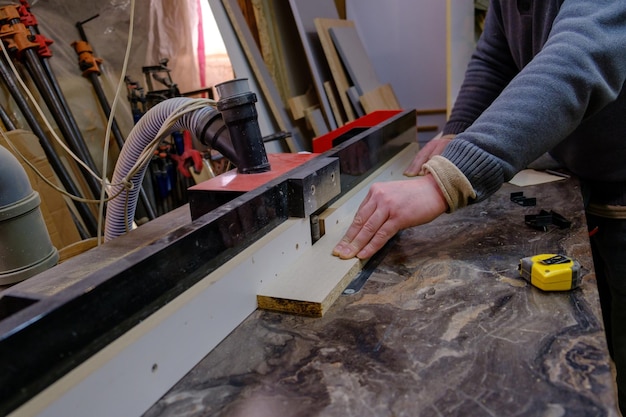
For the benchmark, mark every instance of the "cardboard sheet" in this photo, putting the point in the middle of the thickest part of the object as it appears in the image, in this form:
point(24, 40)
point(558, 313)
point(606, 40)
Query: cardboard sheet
point(533, 177)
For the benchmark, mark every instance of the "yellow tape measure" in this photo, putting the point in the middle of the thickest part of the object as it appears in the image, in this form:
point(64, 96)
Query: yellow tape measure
point(550, 272)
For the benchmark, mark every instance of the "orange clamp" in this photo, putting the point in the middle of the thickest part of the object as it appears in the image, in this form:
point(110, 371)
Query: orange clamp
point(9, 13)
point(13, 32)
point(87, 62)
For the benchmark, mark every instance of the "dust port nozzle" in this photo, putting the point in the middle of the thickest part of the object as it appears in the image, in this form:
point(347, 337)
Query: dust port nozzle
point(236, 104)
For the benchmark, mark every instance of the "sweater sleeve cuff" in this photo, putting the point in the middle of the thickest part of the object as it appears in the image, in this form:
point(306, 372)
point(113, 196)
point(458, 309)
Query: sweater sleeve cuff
point(454, 128)
point(447, 136)
point(456, 188)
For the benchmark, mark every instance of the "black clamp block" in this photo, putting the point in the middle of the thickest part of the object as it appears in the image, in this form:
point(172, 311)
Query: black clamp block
point(560, 221)
point(539, 221)
point(518, 197)
point(544, 219)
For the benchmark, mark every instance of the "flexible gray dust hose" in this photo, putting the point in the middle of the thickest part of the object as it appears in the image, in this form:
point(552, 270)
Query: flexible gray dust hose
point(200, 123)
point(233, 130)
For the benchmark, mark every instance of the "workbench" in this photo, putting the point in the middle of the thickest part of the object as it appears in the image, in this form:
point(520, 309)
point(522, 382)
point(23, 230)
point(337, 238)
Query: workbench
point(444, 326)
point(164, 320)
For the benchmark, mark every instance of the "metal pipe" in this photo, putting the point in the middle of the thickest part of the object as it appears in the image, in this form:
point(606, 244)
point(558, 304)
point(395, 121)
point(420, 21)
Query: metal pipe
point(64, 104)
point(6, 120)
point(50, 84)
point(74, 139)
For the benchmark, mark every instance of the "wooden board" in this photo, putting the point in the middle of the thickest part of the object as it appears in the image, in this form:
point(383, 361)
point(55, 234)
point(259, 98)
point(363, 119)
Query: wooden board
point(312, 284)
point(304, 13)
point(334, 62)
point(282, 49)
point(269, 44)
point(354, 57)
point(333, 98)
point(295, 141)
point(315, 118)
point(355, 99)
point(299, 104)
point(381, 98)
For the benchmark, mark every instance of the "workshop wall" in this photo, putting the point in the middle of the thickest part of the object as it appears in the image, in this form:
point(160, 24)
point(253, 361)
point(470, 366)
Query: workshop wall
point(406, 42)
point(420, 48)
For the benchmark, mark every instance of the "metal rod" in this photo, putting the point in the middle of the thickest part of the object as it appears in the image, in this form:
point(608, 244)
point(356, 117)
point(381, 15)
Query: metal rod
point(6, 120)
point(47, 69)
point(75, 141)
point(11, 83)
point(65, 106)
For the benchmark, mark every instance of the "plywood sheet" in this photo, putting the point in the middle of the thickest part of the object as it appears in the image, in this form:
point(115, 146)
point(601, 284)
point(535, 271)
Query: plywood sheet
point(304, 13)
point(334, 61)
point(315, 118)
point(355, 58)
point(282, 49)
point(333, 98)
point(381, 98)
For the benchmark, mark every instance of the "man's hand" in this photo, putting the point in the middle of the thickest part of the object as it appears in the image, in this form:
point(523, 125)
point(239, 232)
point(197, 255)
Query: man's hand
point(388, 208)
point(432, 148)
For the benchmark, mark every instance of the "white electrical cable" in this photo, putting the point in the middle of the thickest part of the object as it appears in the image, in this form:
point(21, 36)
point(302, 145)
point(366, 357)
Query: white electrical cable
point(41, 114)
point(107, 135)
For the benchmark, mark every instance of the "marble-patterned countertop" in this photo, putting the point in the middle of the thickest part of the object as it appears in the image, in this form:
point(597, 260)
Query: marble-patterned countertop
point(443, 327)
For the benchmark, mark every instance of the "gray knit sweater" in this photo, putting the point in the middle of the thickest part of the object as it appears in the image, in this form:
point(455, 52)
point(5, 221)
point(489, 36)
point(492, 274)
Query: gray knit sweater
point(547, 75)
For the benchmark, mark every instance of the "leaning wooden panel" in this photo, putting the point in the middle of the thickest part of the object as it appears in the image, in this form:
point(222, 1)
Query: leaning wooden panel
point(315, 118)
point(334, 62)
point(304, 13)
point(241, 66)
point(295, 142)
point(354, 58)
point(381, 98)
point(268, 45)
point(333, 99)
point(299, 104)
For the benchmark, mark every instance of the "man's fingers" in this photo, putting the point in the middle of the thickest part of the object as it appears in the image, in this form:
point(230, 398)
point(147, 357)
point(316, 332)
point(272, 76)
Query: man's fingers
point(380, 238)
point(416, 166)
point(432, 148)
point(365, 226)
point(345, 247)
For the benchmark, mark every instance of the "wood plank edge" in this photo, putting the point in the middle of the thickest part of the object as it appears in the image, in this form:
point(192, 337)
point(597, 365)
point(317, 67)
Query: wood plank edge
point(309, 308)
